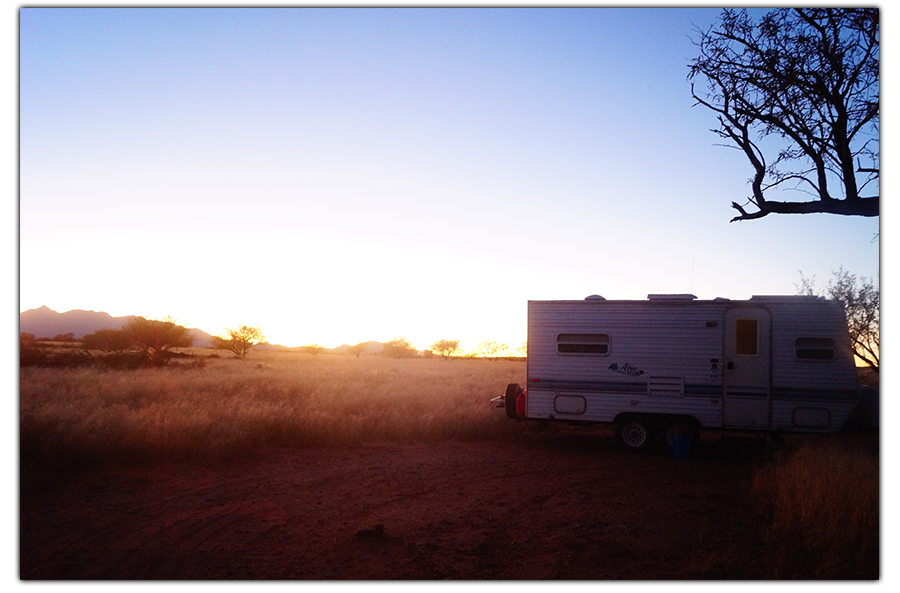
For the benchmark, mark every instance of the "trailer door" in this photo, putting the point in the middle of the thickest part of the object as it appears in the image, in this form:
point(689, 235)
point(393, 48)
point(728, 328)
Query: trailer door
point(748, 368)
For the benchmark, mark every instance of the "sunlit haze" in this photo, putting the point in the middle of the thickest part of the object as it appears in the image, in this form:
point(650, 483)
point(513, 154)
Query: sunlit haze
point(343, 175)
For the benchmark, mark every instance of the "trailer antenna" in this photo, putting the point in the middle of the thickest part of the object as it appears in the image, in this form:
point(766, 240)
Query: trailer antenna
point(692, 273)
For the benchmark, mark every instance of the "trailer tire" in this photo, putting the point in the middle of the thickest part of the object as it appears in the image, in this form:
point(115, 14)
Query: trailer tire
point(634, 433)
point(513, 391)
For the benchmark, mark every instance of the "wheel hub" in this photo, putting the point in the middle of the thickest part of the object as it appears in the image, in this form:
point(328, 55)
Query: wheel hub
point(634, 434)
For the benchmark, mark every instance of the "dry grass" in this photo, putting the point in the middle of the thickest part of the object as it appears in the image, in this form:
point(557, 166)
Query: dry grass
point(819, 497)
point(227, 407)
point(821, 501)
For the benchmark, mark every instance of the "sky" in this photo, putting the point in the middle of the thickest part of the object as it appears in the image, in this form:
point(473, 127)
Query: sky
point(339, 175)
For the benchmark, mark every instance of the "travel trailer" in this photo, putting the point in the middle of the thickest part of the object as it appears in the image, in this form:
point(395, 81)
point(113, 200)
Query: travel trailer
point(671, 363)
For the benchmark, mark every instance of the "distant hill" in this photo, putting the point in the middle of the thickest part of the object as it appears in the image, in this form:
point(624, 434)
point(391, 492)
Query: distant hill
point(44, 322)
point(372, 347)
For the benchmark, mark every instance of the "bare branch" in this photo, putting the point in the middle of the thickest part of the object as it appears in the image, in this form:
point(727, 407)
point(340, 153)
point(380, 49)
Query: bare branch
point(809, 79)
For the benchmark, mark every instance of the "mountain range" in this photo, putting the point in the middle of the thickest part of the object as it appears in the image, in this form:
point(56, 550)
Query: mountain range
point(44, 322)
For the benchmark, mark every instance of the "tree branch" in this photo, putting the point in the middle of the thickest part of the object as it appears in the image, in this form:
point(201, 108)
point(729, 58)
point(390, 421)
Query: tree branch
point(809, 79)
point(858, 207)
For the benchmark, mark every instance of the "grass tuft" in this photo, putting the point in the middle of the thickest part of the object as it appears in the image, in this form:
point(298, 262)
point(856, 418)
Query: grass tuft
point(820, 502)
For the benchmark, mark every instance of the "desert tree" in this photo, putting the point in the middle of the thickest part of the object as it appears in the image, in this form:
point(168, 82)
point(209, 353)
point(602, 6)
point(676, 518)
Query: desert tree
point(358, 349)
point(239, 341)
point(398, 348)
point(110, 341)
point(156, 338)
point(490, 349)
point(861, 300)
point(313, 349)
point(798, 93)
point(445, 348)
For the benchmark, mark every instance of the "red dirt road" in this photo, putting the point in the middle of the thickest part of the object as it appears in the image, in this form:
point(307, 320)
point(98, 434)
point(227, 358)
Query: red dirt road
point(552, 505)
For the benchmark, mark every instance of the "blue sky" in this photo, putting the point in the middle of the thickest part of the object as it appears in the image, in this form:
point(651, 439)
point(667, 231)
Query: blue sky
point(340, 175)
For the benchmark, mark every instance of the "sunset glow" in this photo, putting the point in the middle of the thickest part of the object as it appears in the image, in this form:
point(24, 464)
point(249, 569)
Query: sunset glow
point(344, 175)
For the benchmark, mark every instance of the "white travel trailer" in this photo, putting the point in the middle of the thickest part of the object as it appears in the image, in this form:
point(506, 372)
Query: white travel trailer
point(672, 362)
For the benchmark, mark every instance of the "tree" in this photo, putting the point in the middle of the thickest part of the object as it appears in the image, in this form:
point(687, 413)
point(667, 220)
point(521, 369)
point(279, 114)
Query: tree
point(313, 349)
point(108, 340)
point(445, 348)
point(156, 338)
point(239, 340)
point(861, 306)
point(490, 349)
point(358, 348)
point(804, 82)
point(398, 348)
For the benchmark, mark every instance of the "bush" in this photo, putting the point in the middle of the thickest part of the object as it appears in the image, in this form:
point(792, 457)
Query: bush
point(156, 338)
point(30, 351)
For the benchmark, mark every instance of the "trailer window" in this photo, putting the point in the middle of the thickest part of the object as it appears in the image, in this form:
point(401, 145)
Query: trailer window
point(746, 337)
point(814, 348)
point(593, 344)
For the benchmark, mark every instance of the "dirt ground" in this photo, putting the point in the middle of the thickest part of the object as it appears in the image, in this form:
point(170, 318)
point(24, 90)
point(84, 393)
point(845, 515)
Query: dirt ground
point(556, 504)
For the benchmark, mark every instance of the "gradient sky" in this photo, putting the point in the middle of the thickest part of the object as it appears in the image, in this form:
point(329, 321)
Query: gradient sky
point(341, 175)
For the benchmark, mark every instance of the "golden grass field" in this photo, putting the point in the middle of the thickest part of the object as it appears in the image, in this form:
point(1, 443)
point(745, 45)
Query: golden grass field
point(221, 406)
point(818, 499)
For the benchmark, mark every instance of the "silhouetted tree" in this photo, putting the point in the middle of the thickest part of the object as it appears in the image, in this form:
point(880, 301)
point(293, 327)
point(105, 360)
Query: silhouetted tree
point(445, 348)
point(808, 78)
point(358, 349)
point(490, 349)
point(861, 306)
point(313, 349)
point(398, 348)
point(108, 340)
point(239, 340)
point(156, 338)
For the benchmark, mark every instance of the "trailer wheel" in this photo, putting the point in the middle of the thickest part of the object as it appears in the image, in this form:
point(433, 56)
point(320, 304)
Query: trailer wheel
point(633, 433)
point(513, 391)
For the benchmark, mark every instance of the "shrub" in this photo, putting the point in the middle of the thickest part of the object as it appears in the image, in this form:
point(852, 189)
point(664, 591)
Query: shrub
point(30, 351)
point(108, 340)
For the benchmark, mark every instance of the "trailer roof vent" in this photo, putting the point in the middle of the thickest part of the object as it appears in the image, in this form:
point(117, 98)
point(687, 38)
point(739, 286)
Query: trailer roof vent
point(594, 297)
point(671, 297)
